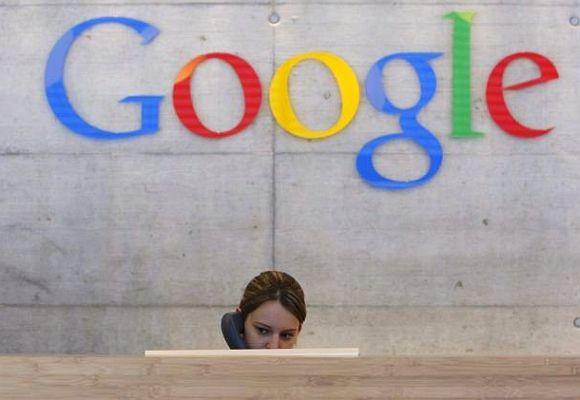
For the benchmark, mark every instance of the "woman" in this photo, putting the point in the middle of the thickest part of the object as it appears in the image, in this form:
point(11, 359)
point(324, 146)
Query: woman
point(274, 310)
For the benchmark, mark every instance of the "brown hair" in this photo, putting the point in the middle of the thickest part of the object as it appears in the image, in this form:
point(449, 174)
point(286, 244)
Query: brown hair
point(274, 285)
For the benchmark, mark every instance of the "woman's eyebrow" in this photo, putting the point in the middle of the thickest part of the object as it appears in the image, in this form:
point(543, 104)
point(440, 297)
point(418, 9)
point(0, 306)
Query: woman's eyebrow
point(269, 327)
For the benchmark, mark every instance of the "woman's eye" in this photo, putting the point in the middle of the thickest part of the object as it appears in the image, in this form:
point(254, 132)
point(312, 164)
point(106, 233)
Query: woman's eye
point(288, 336)
point(262, 331)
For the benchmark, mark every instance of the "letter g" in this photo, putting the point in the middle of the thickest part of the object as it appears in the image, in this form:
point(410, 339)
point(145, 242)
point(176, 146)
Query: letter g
point(411, 129)
point(56, 92)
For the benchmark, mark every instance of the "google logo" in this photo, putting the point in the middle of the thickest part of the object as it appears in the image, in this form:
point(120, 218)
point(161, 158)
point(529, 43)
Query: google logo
point(348, 85)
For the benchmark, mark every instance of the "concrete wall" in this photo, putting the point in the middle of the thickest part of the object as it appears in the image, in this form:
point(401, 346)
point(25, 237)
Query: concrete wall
point(122, 246)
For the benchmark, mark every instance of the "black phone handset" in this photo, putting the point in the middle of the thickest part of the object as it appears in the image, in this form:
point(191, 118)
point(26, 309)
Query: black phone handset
point(232, 329)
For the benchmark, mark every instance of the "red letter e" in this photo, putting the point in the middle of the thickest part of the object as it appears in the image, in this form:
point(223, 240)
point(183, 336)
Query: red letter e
point(495, 93)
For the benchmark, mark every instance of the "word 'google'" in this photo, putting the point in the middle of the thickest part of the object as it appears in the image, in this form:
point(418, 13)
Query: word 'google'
point(348, 86)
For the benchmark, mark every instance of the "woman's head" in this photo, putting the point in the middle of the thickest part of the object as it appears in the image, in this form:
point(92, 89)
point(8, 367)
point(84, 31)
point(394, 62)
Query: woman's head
point(274, 310)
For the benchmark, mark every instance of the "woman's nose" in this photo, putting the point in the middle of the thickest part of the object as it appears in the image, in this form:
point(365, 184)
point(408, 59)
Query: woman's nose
point(273, 343)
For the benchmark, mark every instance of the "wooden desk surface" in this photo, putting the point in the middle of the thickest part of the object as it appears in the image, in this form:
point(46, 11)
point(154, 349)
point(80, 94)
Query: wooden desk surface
point(106, 377)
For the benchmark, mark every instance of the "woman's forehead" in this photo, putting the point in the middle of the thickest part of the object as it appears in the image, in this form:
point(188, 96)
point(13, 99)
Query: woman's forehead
point(273, 314)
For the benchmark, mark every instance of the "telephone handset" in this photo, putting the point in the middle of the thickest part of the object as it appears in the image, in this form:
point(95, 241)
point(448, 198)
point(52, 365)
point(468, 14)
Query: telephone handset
point(232, 329)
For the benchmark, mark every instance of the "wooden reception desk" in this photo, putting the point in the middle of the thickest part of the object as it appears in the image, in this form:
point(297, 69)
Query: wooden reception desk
point(87, 378)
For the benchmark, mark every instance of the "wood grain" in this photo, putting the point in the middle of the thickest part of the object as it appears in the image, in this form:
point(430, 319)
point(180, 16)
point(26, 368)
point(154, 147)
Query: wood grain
point(92, 377)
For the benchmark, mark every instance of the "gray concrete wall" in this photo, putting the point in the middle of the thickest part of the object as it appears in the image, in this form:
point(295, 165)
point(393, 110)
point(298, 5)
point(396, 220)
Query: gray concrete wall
point(122, 246)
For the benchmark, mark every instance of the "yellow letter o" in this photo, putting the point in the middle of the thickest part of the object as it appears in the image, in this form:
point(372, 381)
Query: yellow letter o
point(280, 98)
